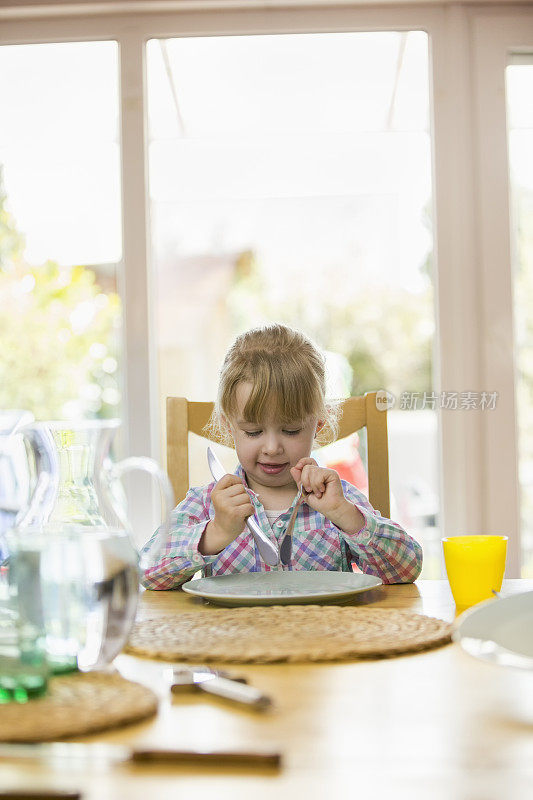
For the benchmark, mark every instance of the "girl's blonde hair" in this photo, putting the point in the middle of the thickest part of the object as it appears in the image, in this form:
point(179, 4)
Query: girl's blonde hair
point(288, 377)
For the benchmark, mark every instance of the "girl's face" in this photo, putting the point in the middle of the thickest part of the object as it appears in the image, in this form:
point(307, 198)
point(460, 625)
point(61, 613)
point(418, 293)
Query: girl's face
point(268, 451)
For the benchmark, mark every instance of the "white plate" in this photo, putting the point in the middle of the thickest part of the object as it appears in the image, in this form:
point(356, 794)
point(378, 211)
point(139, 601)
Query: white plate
point(500, 631)
point(275, 588)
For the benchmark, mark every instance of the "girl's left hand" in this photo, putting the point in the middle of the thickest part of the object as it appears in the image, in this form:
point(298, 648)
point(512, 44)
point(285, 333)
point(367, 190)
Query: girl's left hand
point(325, 495)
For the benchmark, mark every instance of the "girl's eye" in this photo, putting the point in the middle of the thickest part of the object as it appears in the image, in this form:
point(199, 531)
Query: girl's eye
point(292, 433)
point(252, 433)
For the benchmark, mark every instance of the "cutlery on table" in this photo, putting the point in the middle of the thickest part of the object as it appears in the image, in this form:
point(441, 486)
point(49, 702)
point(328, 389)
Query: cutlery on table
point(115, 753)
point(213, 682)
point(39, 794)
point(268, 551)
point(221, 673)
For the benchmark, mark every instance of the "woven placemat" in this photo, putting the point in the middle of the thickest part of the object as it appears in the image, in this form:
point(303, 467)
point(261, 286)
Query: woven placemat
point(287, 633)
point(76, 704)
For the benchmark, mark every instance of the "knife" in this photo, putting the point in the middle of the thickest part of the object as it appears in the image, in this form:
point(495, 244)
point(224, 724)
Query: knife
point(285, 548)
point(39, 794)
point(94, 753)
point(268, 551)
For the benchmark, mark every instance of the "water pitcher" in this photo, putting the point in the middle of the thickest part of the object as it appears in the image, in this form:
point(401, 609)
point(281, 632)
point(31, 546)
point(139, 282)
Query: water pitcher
point(75, 536)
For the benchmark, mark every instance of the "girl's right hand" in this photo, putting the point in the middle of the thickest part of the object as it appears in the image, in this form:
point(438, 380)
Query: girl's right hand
point(232, 509)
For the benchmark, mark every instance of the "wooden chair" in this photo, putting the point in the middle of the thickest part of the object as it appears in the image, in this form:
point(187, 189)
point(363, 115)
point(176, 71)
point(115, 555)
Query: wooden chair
point(184, 417)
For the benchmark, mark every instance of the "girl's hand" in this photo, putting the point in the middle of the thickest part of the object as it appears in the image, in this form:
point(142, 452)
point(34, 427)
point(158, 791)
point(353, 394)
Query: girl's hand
point(325, 495)
point(232, 508)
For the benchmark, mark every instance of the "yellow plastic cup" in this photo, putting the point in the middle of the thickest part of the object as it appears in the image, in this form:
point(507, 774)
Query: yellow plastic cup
point(475, 567)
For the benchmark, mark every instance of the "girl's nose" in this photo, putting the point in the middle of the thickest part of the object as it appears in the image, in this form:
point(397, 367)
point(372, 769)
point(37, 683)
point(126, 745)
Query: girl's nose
point(272, 444)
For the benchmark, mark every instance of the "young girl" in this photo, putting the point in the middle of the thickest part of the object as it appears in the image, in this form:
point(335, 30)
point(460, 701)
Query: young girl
point(271, 406)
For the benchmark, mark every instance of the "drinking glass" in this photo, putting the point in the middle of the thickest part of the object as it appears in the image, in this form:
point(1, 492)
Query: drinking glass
point(87, 581)
point(475, 566)
point(23, 665)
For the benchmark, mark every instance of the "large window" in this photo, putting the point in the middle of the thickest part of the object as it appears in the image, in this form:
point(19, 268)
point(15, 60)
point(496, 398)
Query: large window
point(299, 190)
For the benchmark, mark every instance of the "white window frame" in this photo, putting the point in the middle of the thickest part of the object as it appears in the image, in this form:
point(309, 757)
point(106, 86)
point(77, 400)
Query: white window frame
point(495, 36)
point(479, 490)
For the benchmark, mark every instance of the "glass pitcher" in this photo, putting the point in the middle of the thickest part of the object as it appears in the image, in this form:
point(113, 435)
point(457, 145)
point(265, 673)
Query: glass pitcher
point(75, 538)
point(13, 469)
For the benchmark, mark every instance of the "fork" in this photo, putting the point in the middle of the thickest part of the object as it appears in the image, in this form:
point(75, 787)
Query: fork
point(285, 548)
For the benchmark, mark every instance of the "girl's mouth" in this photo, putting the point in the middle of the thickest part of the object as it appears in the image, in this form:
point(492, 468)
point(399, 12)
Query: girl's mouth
point(272, 469)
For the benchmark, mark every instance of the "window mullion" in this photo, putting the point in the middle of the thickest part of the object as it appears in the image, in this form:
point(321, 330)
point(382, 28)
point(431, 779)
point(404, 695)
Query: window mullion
point(139, 376)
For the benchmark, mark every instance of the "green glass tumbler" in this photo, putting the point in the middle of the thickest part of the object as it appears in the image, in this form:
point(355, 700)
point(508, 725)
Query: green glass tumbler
point(23, 666)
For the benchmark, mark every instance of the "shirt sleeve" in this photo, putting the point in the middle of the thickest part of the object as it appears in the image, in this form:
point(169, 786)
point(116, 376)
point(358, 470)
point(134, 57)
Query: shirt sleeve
point(381, 547)
point(169, 561)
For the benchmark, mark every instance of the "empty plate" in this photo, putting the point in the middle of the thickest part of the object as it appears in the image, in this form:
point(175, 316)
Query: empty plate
point(275, 588)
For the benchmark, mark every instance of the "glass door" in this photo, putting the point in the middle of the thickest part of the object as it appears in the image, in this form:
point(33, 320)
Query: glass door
point(519, 84)
point(503, 82)
point(290, 180)
point(60, 229)
point(60, 240)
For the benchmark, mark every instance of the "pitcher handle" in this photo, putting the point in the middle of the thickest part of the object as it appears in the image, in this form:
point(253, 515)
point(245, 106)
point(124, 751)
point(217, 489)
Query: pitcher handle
point(167, 500)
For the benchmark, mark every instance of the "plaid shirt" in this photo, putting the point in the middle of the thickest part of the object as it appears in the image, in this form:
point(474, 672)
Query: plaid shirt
point(380, 548)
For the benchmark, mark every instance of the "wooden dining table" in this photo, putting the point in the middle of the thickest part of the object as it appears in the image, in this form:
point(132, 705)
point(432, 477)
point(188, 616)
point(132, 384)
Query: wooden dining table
point(435, 724)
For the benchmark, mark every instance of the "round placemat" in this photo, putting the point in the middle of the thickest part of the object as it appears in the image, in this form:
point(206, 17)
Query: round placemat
point(287, 633)
point(76, 704)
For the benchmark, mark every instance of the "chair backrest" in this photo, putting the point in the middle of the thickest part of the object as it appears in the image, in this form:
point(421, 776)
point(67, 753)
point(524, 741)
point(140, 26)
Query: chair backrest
point(184, 417)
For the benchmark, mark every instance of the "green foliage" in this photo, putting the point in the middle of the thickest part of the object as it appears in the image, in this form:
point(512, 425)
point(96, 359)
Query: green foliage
point(58, 335)
point(386, 335)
